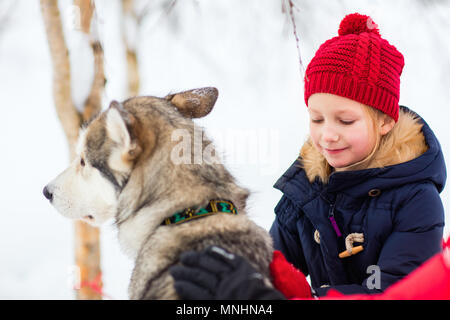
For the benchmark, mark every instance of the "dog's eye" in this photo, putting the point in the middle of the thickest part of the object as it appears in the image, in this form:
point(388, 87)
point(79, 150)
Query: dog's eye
point(82, 162)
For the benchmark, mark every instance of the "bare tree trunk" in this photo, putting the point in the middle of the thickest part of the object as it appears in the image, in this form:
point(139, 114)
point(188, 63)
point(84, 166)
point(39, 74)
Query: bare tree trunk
point(87, 244)
point(133, 74)
point(87, 258)
point(65, 109)
point(86, 11)
point(130, 21)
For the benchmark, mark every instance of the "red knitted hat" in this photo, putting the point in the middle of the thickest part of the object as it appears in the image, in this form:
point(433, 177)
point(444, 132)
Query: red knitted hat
point(359, 65)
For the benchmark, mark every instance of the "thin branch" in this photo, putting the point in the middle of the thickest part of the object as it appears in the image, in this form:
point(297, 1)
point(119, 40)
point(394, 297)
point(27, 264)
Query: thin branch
point(167, 9)
point(291, 8)
point(167, 5)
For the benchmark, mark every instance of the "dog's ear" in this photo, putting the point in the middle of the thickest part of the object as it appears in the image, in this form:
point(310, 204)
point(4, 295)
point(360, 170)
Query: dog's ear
point(119, 126)
point(194, 103)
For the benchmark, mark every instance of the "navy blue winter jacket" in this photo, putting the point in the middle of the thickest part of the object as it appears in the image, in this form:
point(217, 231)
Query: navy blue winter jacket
point(397, 208)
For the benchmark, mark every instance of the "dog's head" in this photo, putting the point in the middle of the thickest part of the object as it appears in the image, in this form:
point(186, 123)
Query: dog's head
point(110, 147)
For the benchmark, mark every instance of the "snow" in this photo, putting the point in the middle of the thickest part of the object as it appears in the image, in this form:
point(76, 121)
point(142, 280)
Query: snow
point(244, 48)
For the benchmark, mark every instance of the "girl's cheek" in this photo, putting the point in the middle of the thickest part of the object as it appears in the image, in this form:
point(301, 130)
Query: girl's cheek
point(360, 140)
point(315, 136)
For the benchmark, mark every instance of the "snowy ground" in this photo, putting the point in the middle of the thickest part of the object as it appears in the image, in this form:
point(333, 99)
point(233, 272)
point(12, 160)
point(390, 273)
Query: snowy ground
point(244, 48)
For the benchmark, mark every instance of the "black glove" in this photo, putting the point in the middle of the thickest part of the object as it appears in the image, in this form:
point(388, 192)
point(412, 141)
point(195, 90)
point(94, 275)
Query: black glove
point(217, 274)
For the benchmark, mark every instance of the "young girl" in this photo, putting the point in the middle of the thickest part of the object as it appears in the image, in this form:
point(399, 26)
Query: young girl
point(360, 208)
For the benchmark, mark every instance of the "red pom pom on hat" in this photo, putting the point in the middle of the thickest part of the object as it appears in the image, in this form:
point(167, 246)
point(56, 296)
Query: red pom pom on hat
point(356, 23)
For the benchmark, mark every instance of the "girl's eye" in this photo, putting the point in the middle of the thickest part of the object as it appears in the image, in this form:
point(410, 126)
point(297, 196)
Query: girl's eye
point(82, 162)
point(316, 120)
point(347, 122)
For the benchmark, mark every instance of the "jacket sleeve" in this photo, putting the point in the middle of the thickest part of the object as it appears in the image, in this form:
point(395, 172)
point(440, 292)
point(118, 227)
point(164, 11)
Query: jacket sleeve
point(285, 234)
point(416, 237)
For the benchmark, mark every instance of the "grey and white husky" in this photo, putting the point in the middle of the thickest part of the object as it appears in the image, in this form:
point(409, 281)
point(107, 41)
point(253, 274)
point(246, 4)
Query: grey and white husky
point(129, 167)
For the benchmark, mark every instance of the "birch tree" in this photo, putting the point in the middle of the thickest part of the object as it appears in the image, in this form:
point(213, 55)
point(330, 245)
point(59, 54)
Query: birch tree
point(87, 245)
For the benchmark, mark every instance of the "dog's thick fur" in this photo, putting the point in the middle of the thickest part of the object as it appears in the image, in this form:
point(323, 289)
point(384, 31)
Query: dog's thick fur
point(124, 170)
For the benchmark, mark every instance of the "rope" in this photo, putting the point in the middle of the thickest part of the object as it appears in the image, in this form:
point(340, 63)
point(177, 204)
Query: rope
point(349, 240)
point(353, 237)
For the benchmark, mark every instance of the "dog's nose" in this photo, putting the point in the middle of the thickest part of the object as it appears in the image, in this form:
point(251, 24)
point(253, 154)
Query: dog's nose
point(47, 194)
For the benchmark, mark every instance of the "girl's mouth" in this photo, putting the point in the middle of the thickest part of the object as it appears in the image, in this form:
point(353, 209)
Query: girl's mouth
point(334, 151)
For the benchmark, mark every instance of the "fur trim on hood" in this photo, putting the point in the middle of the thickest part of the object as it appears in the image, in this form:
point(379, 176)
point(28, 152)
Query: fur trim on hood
point(403, 143)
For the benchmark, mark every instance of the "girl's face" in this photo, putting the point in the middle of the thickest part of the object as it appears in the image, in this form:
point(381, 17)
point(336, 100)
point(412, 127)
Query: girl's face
point(340, 129)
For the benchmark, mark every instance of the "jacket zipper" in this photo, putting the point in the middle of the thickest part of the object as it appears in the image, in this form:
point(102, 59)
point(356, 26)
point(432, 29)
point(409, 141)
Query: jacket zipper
point(333, 220)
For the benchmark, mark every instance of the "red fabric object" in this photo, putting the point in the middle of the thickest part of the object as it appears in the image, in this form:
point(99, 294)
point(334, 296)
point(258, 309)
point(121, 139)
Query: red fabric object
point(357, 64)
point(431, 281)
point(446, 243)
point(287, 279)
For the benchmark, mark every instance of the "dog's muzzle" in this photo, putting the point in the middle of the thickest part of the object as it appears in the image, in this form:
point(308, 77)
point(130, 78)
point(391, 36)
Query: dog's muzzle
point(47, 194)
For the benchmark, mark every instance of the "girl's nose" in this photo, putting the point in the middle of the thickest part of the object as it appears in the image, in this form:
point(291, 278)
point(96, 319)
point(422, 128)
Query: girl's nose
point(330, 135)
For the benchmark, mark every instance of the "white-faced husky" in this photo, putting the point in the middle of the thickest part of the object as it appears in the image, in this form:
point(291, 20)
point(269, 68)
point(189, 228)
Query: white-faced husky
point(129, 166)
